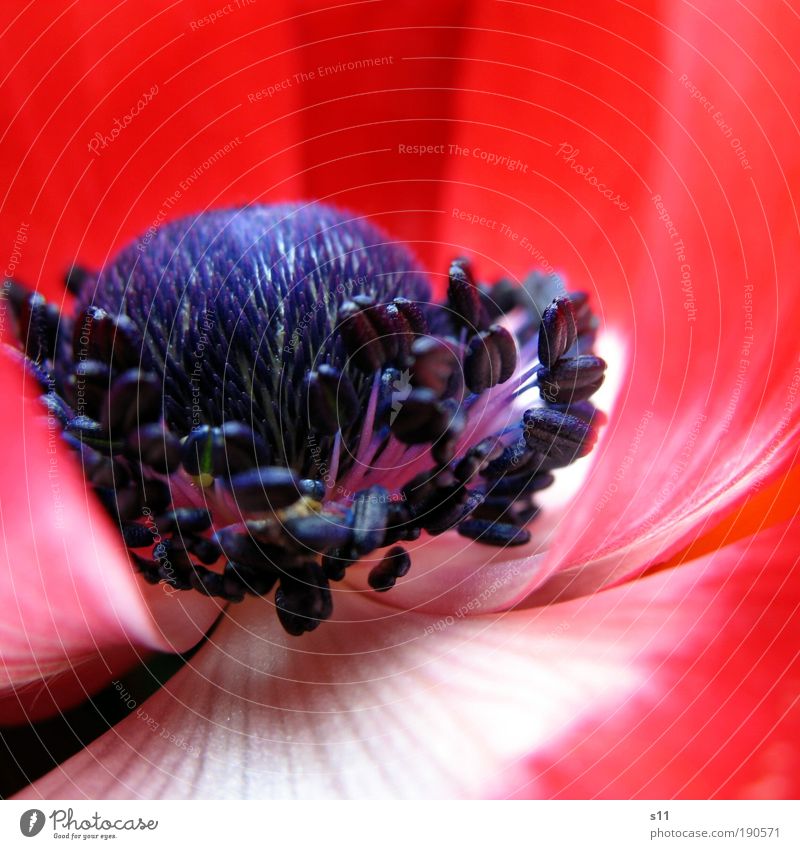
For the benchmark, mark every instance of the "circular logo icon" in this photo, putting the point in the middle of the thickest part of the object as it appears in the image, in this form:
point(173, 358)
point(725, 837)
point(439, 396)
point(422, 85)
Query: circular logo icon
point(31, 822)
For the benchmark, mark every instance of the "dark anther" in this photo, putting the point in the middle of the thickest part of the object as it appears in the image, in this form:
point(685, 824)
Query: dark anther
point(185, 520)
point(454, 508)
point(38, 327)
point(135, 398)
point(318, 531)
point(242, 548)
point(210, 583)
point(135, 535)
point(413, 314)
point(439, 503)
point(222, 451)
point(422, 418)
point(154, 494)
point(256, 581)
point(572, 379)
point(196, 451)
point(303, 599)
point(433, 364)
point(510, 460)
point(237, 448)
point(205, 550)
point(500, 298)
point(75, 279)
point(123, 504)
point(558, 331)
point(393, 331)
point(99, 336)
point(146, 568)
point(265, 488)
point(335, 563)
point(87, 386)
point(360, 337)
point(561, 437)
point(490, 359)
point(585, 320)
point(332, 401)
point(369, 515)
point(443, 449)
point(476, 459)
point(464, 297)
point(400, 525)
point(233, 584)
point(155, 446)
point(395, 565)
point(494, 533)
point(518, 512)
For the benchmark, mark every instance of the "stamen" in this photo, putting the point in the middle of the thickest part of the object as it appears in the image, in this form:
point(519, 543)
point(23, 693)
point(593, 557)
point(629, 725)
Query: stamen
point(464, 298)
point(264, 489)
point(572, 379)
point(558, 331)
point(491, 359)
point(263, 397)
point(560, 437)
point(395, 565)
point(332, 400)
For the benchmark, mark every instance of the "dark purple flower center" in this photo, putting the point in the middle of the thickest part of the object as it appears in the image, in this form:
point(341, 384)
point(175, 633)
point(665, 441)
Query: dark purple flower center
point(264, 396)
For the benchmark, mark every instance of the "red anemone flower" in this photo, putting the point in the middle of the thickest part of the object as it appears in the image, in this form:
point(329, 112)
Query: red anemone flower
point(644, 643)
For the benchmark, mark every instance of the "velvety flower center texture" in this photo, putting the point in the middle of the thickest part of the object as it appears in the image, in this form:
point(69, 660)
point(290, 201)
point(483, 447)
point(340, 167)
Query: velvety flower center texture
point(261, 397)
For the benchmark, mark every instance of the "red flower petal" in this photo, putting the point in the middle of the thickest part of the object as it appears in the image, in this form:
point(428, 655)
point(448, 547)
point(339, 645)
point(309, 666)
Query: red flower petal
point(718, 714)
point(74, 613)
point(169, 102)
point(695, 282)
point(394, 704)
